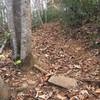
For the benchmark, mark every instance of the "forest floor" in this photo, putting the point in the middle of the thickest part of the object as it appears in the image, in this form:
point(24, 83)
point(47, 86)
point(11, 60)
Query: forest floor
point(57, 52)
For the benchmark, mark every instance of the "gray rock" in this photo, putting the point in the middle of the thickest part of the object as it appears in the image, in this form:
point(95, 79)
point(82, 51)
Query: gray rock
point(63, 81)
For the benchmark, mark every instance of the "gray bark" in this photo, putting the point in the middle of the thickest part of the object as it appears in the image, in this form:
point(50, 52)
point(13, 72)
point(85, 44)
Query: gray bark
point(26, 28)
point(19, 22)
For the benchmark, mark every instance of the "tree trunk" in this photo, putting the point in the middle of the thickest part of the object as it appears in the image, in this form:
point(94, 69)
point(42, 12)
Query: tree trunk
point(19, 23)
point(10, 19)
point(25, 28)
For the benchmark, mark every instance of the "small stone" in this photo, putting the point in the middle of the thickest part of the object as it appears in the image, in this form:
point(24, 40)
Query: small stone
point(63, 81)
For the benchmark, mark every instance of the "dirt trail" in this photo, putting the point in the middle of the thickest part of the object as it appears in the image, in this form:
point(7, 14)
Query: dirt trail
point(62, 55)
point(57, 54)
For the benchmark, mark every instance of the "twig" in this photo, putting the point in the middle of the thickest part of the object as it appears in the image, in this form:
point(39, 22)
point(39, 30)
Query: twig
point(40, 69)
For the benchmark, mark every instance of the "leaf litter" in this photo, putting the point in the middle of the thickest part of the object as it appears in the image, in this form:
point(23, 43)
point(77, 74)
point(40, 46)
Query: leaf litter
point(58, 55)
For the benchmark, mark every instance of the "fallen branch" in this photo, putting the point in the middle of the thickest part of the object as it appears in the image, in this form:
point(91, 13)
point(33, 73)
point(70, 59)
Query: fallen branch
point(40, 69)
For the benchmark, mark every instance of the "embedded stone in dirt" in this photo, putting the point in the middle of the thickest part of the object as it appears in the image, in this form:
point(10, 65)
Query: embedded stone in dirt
point(63, 81)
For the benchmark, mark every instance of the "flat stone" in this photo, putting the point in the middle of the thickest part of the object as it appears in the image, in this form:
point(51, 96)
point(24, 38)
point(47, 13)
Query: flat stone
point(63, 81)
